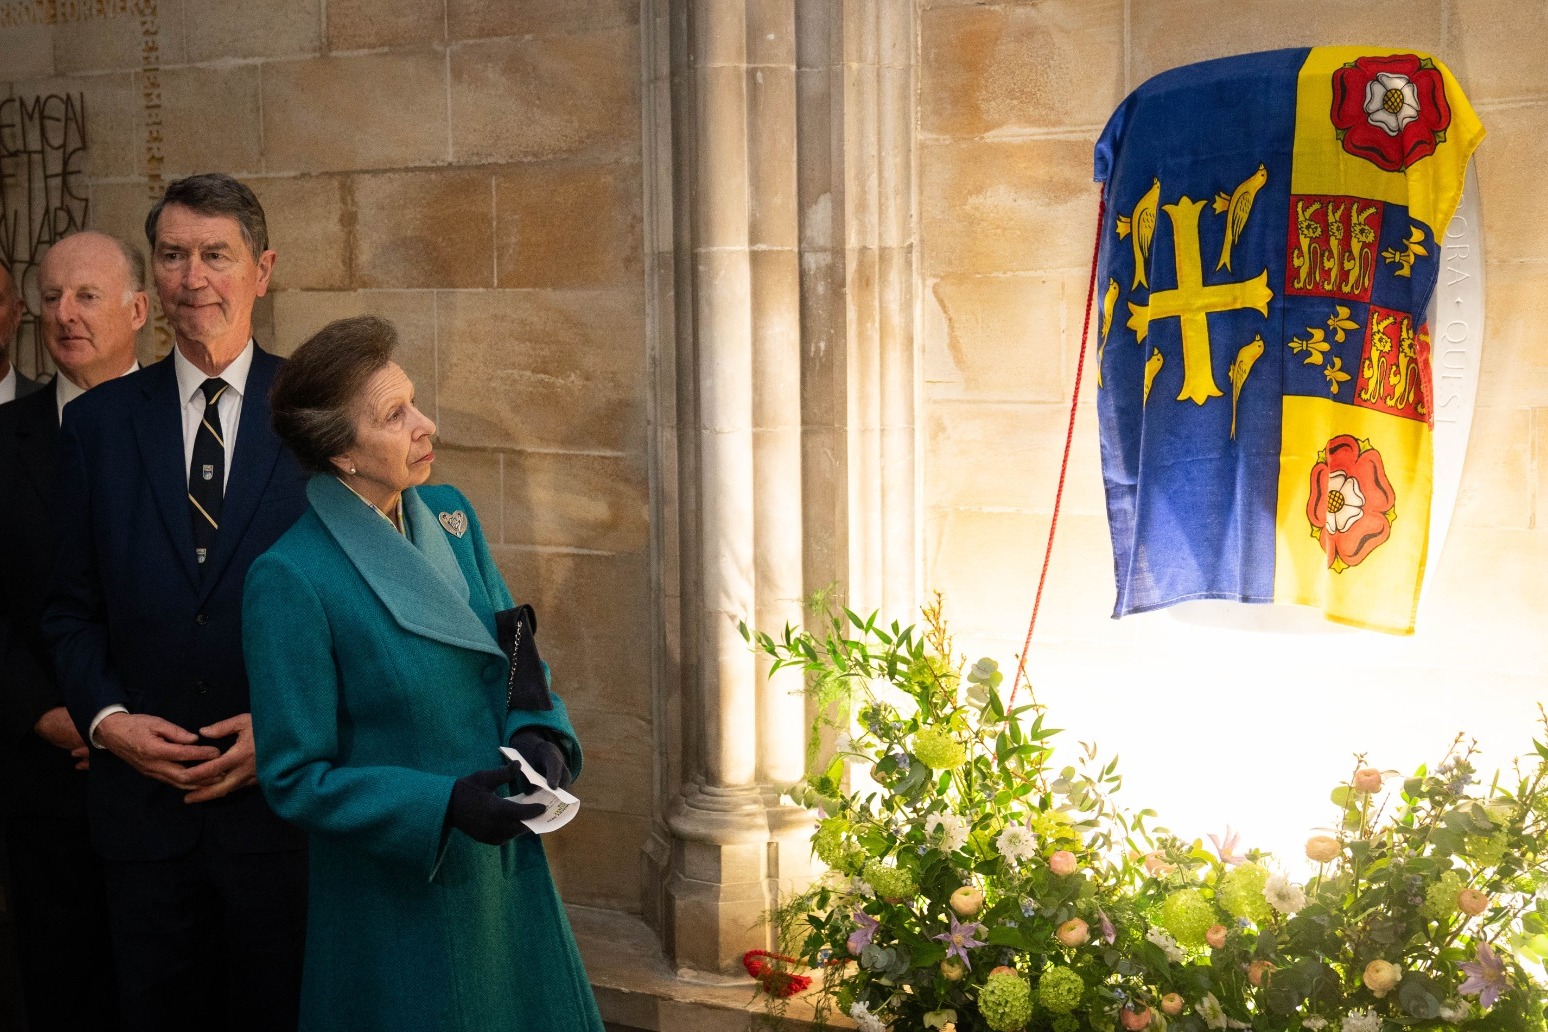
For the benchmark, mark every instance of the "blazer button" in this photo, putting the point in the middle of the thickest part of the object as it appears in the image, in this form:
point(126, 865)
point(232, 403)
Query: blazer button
point(491, 673)
point(202, 619)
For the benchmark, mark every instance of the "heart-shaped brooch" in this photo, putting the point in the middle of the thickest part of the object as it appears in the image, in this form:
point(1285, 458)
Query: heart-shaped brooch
point(456, 523)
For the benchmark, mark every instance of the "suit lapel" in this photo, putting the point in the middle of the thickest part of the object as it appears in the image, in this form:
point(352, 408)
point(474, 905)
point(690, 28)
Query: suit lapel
point(257, 450)
point(158, 430)
point(424, 591)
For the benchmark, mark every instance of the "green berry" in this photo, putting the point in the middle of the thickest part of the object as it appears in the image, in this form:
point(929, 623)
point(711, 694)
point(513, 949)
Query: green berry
point(1060, 990)
point(890, 883)
point(1005, 1002)
point(1440, 899)
point(1240, 893)
point(938, 750)
point(1187, 915)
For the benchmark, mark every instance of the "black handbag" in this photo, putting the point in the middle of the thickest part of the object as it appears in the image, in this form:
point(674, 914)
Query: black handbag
point(526, 683)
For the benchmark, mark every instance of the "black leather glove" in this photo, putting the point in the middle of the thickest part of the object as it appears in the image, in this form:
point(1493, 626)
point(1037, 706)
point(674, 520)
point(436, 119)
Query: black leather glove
point(540, 750)
point(478, 812)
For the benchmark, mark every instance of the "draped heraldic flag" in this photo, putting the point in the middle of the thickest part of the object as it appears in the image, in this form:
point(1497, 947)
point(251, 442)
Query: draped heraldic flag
point(1272, 234)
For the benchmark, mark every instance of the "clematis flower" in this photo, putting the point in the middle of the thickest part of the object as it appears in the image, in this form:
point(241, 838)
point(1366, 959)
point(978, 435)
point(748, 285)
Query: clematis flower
point(861, 937)
point(960, 939)
point(1485, 977)
point(1226, 847)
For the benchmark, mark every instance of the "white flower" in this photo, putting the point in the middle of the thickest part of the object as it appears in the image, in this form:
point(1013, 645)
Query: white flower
point(1016, 843)
point(860, 887)
point(1211, 1011)
point(1347, 488)
point(867, 1021)
point(1314, 1023)
point(1454, 1011)
point(953, 829)
point(1361, 1020)
point(1168, 945)
point(1283, 895)
point(1391, 102)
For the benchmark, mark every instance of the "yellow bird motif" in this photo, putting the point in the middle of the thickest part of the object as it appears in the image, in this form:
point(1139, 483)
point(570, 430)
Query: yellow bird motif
point(1141, 226)
point(1245, 358)
point(1152, 367)
point(1236, 208)
point(1109, 300)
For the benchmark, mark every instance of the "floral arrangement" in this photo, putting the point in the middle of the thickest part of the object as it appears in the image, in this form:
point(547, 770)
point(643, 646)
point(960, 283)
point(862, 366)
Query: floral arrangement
point(972, 884)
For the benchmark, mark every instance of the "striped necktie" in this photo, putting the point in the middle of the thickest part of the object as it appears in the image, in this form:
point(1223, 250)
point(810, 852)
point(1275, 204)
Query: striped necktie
point(207, 471)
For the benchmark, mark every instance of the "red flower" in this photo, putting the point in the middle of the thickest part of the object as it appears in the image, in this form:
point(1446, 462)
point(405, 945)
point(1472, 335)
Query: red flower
point(1391, 111)
point(1351, 502)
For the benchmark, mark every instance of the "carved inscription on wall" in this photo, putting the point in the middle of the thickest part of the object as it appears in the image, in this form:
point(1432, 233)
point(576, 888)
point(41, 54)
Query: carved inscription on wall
point(43, 189)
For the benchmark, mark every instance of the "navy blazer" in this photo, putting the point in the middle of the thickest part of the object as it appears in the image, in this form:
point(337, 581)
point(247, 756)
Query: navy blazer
point(41, 779)
point(131, 617)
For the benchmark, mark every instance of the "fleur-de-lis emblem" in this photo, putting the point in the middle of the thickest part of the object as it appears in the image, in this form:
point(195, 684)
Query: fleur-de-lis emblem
point(1312, 347)
point(1335, 373)
point(1340, 323)
point(1412, 250)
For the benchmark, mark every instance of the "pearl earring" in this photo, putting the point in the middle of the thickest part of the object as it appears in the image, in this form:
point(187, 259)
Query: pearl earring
point(353, 471)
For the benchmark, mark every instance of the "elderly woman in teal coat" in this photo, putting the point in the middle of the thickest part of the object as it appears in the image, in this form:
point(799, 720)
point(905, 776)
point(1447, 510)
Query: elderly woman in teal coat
point(380, 703)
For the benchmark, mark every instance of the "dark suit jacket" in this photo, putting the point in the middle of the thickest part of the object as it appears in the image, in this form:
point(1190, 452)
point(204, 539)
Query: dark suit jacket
point(40, 778)
point(131, 617)
point(25, 386)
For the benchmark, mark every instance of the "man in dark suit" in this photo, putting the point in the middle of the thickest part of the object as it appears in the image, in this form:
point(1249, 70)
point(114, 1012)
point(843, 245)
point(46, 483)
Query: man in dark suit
point(171, 483)
point(13, 384)
point(94, 302)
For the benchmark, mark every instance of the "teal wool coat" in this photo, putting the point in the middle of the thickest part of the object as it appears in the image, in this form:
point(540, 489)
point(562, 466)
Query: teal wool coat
point(376, 683)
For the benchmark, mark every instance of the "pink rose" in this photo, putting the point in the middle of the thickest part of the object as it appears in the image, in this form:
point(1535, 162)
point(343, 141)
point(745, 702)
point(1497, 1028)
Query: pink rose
point(967, 901)
point(1380, 977)
point(1367, 780)
point(1216, 936)
point(1258, 970)
point(1172, 1004)
point(1322, 848)
point(1074, 932)
point(1155, 865)
point(1134, 1020)
point(1062, 863)
point(1472, 902)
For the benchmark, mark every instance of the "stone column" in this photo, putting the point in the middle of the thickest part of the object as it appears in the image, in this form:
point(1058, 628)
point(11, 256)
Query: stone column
point(782, 274)
point(731, 843)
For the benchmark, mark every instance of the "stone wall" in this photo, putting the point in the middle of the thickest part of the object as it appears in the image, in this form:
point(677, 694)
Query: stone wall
point(475, 171)
point(470, 170)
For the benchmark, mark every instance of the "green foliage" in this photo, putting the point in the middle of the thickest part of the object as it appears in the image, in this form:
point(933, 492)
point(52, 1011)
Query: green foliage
point(928, 780)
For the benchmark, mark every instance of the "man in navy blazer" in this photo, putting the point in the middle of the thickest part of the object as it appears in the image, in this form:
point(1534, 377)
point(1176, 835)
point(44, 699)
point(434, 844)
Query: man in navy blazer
point(92, 289)
point(206, 886)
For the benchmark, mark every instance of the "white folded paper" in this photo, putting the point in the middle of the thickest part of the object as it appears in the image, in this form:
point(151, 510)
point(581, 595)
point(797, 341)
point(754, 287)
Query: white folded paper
point(559, 806)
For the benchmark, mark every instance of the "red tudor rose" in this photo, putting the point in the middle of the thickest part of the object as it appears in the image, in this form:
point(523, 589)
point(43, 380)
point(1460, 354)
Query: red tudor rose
point(1350, 500)
point(1391, 111)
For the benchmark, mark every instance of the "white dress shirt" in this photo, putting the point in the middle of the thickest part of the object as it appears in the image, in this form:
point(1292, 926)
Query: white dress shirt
point(8, 385)
point(190, 381)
